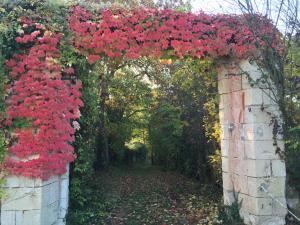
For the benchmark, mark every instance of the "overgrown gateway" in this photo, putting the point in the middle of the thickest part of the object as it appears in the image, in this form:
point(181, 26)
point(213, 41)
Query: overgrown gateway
point(38, 158)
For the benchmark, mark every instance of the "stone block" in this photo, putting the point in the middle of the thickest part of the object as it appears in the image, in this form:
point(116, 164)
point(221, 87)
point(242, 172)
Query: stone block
point(240, 184)
point(224, 101)
point(253, 96)
point(266, 220)
point(257, 114)
point(50, 193)
point(225, 148)
point(278, 168)
point(18, 181)
point(274, 185)
point(41, 203)
point(41, 183)
point(258, 132)
point(225, 116)
point(19, 217)
point(235, 83)
point(50, 213)
point(279, 207)
point(227, 181)
point(259, 206)
point(263, 149)
point(258, 168)
point(22, 199)
point(225, 164)
point(28, 217)
point(8, 217)
point(225, 131)
point(238, 166)
point(64, 198)
point(32, 217)
point(237, 147)
point(251, 68)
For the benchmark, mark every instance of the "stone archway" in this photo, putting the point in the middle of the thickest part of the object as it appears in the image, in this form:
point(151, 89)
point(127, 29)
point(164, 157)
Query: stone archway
point(249, 163)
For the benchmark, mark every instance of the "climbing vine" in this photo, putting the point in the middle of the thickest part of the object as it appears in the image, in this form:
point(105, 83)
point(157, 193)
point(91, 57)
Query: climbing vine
point(43, 102)
point(166, 33)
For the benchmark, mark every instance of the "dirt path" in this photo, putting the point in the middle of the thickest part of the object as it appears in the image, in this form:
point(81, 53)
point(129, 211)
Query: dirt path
point(146, 195)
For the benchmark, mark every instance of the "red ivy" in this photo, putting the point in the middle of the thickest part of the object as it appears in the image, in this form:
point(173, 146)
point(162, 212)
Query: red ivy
point(39, 96)
point(166, 33)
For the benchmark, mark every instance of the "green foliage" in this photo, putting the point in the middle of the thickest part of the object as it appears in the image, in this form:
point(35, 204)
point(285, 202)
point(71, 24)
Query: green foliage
point(190, 86)
point(292, 119)
point(86, 138)
point(230, 214)
point(7, 47)
point(165, 130)
point(127, 109)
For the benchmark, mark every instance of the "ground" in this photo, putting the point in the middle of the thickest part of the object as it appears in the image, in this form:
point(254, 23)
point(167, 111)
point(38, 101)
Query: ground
point(146, 195)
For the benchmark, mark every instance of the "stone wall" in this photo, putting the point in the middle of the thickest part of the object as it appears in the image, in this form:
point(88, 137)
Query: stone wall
point(249, 160)
point(35, 202)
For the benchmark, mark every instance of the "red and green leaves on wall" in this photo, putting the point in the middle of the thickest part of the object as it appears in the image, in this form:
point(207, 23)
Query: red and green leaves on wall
point(38, 94)
point(166, 33)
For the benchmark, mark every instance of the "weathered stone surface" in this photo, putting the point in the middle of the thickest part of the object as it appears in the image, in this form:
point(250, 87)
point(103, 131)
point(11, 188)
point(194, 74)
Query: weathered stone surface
point(225, 165)
point(8, 217)
point(22, 199)
point(64, 198)
point(258, 131)
point(225, 132)
point(240, 183)
point(249, 157)
point(50, 193)
point(237, 149)
point(266, 220)
point(225, 147)
point(249, 69)
point(238, 166)
point(259, 206)
point(274, 185)
point(263, 149)
point(49, 213)
point(41, 183)
point(278, 168)
point(227, 181)
point(32, 217)
point(257, 114)
point(35, 202)
point(253, 97)
point(258, 168)
point(278, 207)
point(18, 181)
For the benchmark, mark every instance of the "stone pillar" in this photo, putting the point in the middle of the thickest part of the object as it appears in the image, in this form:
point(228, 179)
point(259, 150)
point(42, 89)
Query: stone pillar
point(35, 202)
point(249, 160)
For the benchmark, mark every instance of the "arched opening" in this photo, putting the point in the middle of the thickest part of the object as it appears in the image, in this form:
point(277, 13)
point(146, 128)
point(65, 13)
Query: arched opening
point(42, 150)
